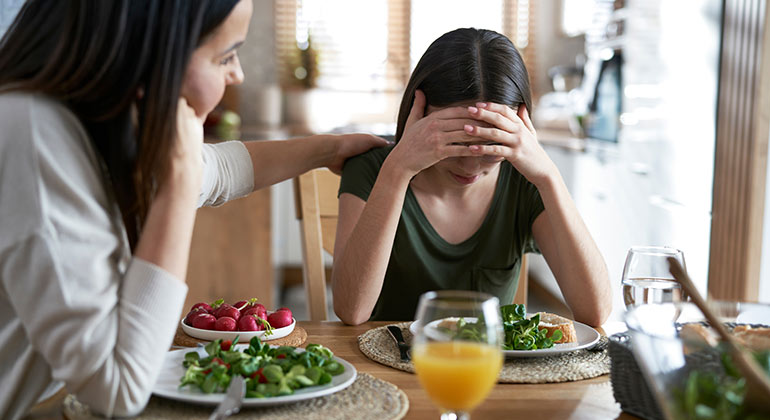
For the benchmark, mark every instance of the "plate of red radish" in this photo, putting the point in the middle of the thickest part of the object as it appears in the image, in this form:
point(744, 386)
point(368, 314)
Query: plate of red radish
point(245, 318)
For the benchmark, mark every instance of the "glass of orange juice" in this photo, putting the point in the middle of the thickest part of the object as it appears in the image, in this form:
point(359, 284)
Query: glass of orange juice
point(457, 351)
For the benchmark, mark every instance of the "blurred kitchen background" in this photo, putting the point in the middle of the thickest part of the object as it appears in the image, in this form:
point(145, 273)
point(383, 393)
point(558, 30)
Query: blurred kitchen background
point(626, 95)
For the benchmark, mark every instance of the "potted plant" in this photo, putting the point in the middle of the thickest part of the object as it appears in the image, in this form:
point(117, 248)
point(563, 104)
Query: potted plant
point(299, 79)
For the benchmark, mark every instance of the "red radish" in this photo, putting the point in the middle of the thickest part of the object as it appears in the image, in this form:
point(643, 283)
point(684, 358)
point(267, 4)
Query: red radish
point(249, 323)
point(256, 312)
point(204, 321)
point(190, 315)
point(279, 319)
point(259, 306)
point(226, 345)
point(283, 309)
point(227, 311)
point(241, 305)
point(225, 324)
point(202, 305)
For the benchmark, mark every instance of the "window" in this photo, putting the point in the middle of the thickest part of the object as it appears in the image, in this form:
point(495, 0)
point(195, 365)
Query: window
point(365, 46)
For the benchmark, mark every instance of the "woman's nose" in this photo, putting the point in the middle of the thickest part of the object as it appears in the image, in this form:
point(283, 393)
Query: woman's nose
point(235, 76)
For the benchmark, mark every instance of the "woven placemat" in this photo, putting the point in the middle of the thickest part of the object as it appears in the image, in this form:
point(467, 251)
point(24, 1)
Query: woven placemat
point(378, 345)
point(296, 338)
point(367, 398)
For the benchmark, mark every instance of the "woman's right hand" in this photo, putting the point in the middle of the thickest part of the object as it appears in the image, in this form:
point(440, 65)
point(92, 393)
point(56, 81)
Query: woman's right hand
point(185, 168)
point(429, 139)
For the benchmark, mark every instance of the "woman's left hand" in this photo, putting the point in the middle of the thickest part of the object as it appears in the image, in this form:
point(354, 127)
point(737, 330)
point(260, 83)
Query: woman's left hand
point(349, 145)
point(517, 140)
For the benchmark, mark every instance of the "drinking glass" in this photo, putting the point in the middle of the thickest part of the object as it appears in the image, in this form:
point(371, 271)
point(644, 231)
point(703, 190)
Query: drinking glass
point(457, 367)
point(647, 279)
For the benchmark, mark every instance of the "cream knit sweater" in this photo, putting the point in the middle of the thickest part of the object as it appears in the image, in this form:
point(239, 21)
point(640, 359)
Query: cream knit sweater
point(75, 307)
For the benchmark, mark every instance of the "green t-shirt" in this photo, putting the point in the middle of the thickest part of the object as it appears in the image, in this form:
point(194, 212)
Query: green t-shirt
point(421, 260)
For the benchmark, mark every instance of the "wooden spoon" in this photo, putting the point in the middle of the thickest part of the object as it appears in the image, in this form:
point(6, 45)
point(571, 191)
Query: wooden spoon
point(757, 382)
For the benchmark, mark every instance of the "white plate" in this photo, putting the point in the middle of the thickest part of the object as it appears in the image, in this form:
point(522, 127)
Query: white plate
point(586, 337)
point(245, 336)
point(172, 371)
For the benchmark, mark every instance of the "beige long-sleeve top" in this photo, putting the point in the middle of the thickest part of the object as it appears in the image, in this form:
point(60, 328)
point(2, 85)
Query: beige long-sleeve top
point(75, 306)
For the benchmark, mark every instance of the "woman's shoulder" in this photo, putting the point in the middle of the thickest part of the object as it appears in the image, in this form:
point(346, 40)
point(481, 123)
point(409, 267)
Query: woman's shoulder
point(16, 102)
point(371, 159)
point(24, 113)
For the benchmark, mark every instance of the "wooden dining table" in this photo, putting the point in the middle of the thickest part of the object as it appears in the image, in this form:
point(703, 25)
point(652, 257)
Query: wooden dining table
point(589, 399)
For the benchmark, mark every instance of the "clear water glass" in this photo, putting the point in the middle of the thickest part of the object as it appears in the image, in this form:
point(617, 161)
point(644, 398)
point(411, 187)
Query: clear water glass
point(647, 279)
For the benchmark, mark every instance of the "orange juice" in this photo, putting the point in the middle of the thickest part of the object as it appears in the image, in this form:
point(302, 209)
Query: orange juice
point(457, 375)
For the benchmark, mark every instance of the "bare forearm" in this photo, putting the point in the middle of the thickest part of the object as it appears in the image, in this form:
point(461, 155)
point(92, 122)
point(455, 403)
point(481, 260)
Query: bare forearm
point(359, 269)
point(279, 160)
point(167, 233)
point(581, 270)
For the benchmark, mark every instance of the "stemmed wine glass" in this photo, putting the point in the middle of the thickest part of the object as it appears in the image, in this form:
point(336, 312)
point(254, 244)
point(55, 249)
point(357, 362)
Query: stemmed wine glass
point(646, 276)
point(457, 351)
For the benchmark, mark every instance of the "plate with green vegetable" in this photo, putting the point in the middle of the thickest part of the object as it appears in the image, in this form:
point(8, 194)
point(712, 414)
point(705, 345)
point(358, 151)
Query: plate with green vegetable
point(523, 336)
point(273, 374)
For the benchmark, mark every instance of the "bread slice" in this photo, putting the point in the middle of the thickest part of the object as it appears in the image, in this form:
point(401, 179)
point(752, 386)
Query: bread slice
point(754, 338)
point(553, 322)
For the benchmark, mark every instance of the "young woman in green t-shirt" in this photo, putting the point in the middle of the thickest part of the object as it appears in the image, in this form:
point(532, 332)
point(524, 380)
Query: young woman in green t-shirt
point(466, 190)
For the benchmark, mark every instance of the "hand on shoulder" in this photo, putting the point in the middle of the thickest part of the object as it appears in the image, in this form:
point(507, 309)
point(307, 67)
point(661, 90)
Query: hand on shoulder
point(349, 145)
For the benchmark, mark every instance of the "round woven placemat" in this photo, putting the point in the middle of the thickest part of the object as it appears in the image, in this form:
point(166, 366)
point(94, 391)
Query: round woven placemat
point(378, 345)
point(296, 338)
point(367, 398)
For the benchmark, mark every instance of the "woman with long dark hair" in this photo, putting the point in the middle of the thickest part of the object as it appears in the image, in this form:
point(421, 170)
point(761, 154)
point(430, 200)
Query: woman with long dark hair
point(463, 194)
point(102, 167)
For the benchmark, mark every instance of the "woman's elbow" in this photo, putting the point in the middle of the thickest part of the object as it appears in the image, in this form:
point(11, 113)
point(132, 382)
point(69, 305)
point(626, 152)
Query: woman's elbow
point(595, 318)
point(128, 403)
point(349, 316)
point(597, 315)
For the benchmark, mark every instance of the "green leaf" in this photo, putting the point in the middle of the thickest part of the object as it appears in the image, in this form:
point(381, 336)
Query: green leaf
point(325, 378)
point(273, 373)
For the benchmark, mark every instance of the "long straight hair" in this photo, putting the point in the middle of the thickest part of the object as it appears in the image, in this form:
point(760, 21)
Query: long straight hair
point(464, 65)
point(96, 57)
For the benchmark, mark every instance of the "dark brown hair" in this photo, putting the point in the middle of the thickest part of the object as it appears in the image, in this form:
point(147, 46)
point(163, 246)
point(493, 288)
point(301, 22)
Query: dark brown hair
point(465, 65)
point(95, 57)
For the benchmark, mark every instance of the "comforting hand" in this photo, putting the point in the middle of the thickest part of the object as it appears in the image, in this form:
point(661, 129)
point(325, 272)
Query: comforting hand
point(349, 145)
point(516, 136)
point(430, 139)
point(185, 158)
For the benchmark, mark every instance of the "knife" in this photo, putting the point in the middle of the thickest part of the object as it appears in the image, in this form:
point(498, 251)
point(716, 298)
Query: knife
point(403, 348)
point(233, 400)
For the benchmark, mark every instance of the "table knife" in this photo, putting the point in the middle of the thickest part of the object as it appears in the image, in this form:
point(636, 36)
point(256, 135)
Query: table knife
point(403, 348)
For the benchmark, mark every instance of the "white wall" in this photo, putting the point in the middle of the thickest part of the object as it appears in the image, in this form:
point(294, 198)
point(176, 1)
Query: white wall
point(552, 46)
point(764, 272)
point(8, 11)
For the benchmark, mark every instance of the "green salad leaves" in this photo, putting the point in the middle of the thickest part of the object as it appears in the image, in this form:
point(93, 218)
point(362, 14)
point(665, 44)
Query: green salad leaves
point(520, 333)
point(707, 395)
point(268, 371)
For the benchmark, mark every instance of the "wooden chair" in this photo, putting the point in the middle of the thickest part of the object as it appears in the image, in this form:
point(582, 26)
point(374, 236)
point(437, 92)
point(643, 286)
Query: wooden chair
point(315, 198)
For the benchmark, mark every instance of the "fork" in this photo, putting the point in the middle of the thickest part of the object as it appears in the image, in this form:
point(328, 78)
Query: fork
point(233, 400)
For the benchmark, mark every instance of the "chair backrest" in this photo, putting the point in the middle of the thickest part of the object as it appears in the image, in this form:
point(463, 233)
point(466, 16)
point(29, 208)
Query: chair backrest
point(315, 198)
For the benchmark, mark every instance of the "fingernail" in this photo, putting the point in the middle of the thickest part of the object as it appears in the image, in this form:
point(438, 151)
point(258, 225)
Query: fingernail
point(481, 104)
point(468, 128)
point(473, 109)
point(474, 148)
